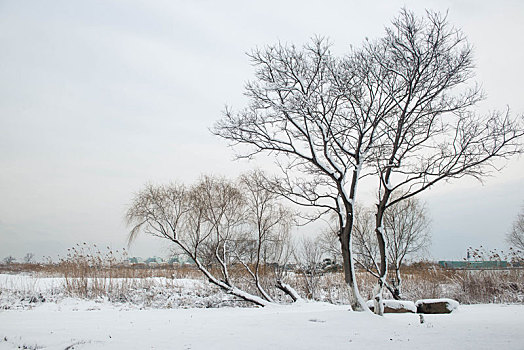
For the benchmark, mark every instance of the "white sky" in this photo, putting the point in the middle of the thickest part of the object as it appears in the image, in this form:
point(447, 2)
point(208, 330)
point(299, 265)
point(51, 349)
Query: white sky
point(99, 97)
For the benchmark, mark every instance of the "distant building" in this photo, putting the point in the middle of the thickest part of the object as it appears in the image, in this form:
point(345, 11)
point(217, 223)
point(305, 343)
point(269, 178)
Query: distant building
point(180, 260)
point(154, 260)
point(174, 260)
point(136, 260)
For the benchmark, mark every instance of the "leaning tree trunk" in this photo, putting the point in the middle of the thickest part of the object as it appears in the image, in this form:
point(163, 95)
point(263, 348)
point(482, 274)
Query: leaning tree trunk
point(355, 299)
point(224, 285)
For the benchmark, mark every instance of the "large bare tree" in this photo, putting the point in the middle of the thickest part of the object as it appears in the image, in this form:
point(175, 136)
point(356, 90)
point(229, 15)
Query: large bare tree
point(432, 135)
point(398, 107)
point(305, 107)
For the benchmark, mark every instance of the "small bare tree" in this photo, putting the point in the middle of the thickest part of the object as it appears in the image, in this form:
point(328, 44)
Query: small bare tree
point(308, 256)
point(8, 260)
point(515, 238)
point(330, 244)
point(222, 208)
point(406, 228)
point(366, 248)
point(406, 225)
point(267, 234)
point(29, 258)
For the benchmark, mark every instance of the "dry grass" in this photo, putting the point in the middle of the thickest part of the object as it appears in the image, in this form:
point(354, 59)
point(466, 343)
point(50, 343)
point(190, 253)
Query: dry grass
point(428, 280)
point(91, 273)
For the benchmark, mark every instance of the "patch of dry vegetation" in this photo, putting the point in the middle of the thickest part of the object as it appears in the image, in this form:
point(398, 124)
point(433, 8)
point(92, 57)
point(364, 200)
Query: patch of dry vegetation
point(89, 273)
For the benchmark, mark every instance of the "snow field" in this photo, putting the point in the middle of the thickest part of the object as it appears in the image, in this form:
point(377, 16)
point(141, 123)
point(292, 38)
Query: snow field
point(88, 325)
point(35, 313)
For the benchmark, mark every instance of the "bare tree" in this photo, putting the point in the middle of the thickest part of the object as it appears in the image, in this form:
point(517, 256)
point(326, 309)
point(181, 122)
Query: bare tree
point(516, 236)
point(367, 252)
point(406, 228)
point(432, 134)
point(217, 226)
point(330, 244)
point(267, 239)
point(29, 258)
point(366, 248)
point(399, 107)
point(308, 256)
point(189, 219)
point(406, 225)
point(305, 107)
point(8, 260)
point(221, 206)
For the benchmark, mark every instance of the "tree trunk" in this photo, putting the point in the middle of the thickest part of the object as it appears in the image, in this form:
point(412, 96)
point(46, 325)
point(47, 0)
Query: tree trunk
point(355, 299)
point(398, 287)
point(226, 286)
point(378, 290)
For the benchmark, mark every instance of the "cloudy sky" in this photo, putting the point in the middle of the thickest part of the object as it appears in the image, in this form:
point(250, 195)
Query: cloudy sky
point(98, 98)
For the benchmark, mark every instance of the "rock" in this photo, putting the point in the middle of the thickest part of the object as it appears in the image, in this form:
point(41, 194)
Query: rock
point(436, 306)
point(395, 306)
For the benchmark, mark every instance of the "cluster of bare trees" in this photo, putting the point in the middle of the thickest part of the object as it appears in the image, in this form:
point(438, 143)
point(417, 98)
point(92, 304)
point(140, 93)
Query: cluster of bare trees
point(398, 109)
point(222, 226)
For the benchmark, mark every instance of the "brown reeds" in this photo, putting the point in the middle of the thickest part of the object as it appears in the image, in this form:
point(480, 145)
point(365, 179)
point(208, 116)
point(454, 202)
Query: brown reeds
point(89, 272)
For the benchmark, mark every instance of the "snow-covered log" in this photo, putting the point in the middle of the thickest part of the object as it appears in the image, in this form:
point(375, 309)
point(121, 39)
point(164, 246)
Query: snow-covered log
point(286, 288)
point(395, 306)
point(436, 306)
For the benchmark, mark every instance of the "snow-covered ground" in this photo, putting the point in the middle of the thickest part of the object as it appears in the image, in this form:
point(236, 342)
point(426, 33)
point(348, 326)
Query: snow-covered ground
point(72, 323)
point(89, 325)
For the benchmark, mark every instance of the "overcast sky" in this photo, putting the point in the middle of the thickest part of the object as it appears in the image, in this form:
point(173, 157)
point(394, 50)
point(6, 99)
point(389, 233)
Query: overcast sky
point(98, 98)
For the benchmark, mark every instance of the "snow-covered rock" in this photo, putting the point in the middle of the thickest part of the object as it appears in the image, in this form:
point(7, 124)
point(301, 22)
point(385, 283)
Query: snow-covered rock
point(436, 306)
point(395, 306)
